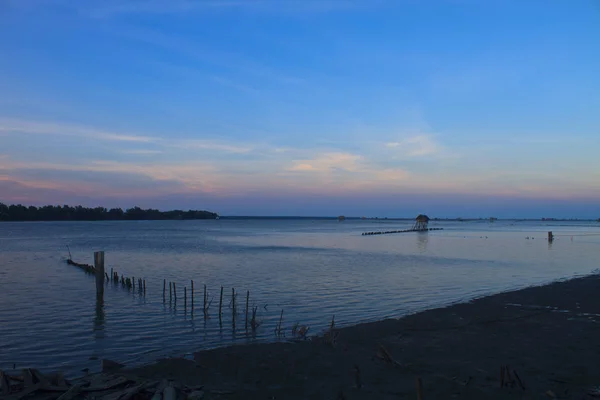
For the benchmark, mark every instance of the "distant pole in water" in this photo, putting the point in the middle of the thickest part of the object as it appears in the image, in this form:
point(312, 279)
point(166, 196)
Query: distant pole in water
point(204, 301)
point(165, 289)
point(170, 291)
point(144, 287)
point(133, 282)
point(112, 276)
point(174, 293)
point(221, 303)
point(550, 236)
point(233, 302)
point(247, 301)
point(185, 297)
point(192, 295)
point(99, 266)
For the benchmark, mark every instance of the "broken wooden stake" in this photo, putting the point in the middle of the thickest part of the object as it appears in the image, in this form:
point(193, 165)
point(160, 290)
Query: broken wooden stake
point(99, 267)
point(419, 389)
point(247, 301)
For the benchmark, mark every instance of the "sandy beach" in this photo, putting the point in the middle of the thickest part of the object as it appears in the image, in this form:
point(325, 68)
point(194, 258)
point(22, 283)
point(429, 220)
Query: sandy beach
point(547, 336)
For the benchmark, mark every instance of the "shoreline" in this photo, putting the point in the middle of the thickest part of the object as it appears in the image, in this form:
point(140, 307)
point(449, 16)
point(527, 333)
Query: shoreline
point(536, 342)
point(548, 335)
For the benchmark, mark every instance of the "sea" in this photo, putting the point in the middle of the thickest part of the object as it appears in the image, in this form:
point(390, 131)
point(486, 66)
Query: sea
point(294, 272)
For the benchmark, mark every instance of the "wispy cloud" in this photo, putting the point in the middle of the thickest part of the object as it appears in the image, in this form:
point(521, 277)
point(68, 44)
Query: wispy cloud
point(108, 8)
point(416, 146)
point(328, 162)
point(49, 128)
point(210, 145)
point(141, 152)
point(14, 126)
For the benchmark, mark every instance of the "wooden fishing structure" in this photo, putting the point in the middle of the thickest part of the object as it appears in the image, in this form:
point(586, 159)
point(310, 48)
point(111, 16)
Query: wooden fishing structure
point(421, 225)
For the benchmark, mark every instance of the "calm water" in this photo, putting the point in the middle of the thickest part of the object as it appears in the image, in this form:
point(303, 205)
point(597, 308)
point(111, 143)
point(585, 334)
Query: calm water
point(311, 269)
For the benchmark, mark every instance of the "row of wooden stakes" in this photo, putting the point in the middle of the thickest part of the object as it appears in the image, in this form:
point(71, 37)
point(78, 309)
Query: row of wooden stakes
point(206, 303)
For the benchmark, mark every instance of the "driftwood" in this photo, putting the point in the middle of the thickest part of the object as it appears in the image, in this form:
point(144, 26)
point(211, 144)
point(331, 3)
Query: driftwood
point(383, 354)
point(32, 384)
point(111, 384)
point(169, 393)
point(4, 383)
point(70, 394)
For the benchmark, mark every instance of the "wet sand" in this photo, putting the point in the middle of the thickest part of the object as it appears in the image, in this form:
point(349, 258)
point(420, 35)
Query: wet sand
point(549, 335)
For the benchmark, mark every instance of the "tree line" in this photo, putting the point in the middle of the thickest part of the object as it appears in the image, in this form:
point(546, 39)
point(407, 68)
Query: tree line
point(18, 212)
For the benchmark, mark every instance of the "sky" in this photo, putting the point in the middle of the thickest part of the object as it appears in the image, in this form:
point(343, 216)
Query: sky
point(454, 108)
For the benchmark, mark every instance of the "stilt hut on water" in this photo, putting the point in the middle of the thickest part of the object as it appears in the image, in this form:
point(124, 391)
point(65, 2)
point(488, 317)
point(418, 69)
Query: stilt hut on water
point(421, 223)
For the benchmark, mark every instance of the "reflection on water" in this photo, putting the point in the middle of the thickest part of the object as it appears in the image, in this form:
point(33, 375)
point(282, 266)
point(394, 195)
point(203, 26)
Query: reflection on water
point(310, 269)
point(99, 318)
point(422, 240)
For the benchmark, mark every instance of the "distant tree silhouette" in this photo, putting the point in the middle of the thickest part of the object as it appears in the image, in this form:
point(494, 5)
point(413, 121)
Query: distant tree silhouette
point(18, 212)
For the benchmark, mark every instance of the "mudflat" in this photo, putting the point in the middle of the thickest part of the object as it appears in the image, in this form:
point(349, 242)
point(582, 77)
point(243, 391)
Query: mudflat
point(535, 343)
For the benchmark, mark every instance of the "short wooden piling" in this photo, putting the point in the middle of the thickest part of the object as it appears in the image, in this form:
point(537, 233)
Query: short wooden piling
point(550, 236)
point(221, 302)
point(247, 301)
point(170, 291)
point(419, 389)
point(204, 302)
point(164, 289)
point(111, 275)
point(133, 282)
point(144, 287)
point(99, 266)
point(174, 293)
point(233, 302)
point(185, 297)
point(192, 295)
point(279, 325)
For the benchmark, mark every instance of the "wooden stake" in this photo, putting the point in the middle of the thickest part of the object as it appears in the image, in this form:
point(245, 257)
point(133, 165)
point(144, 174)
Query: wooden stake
point(247, 301)
point(165, 289)
point(170, 291)
point(419, 389)
point(174, 292)
point(185, 297)
point(192, 295)
point(280, 321)
point(221, 303)
point(111, 274)
point(99, 266)
point(144, 287)
point(233, 302)
point(133, 282)
point(204, 304)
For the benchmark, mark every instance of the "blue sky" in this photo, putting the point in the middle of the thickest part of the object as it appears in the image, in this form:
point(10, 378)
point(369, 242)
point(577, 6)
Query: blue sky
point(376, 108)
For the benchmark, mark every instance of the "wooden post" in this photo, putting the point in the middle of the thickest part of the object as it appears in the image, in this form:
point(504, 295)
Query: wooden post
point(247, 300)
point(550, 236)
point(170, 291)
point(221, 302)
point(133, 282)
point(419, 389)
point(99, 266)
point(165, 289)
point(111, 274)
point(174, 292)
point(185, 297)
point(144, 287)
point(233, 302)
point(192, 295)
